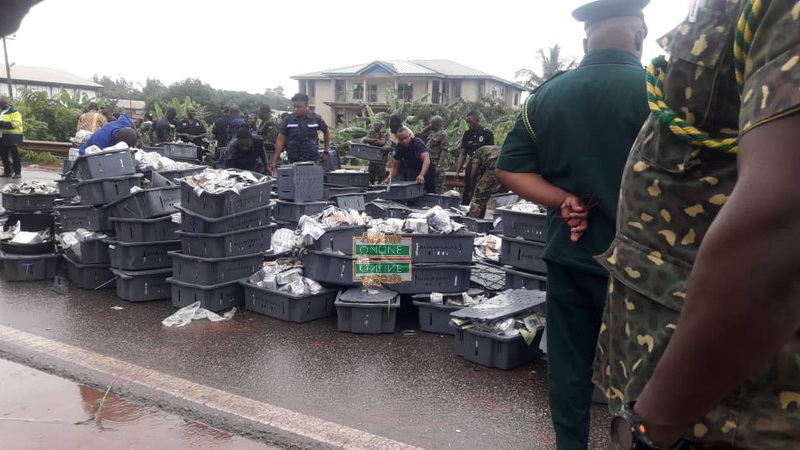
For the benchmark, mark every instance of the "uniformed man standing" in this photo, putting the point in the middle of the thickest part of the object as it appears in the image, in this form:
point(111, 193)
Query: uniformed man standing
point(475, 137)
point(299, 135)
point(192, 130)
point(378, 137)
point(484, 178)
point(574, 168)
point(268, 128)
point(437, 143)
point(701, 325)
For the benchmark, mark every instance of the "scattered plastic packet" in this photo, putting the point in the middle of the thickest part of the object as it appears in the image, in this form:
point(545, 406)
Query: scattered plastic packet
point(194, 312)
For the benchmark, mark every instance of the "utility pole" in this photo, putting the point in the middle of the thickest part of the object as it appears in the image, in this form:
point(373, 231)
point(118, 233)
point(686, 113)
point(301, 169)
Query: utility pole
point(8, 68)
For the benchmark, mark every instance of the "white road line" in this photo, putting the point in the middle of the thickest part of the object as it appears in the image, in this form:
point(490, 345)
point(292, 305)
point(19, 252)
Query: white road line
point(274, 416)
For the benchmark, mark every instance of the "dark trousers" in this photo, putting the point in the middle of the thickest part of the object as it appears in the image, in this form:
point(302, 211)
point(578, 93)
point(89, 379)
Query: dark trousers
point(575, 301)
point(466, 196)
point(7, 154)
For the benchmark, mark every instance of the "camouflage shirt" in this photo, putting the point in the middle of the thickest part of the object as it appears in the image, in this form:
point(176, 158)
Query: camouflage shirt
point(485, 159)
point(379, 135)
point(437, 143)
point(671, 194)
point(269, 130)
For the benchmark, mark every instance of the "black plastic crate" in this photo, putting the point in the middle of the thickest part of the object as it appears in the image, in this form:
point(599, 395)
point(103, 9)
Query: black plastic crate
point(356, 202)
point(14, 248)
point(339, 239)
point(208, 271)
point(368, 152)
point(403, 190)
point(225, 203)
point(366, 311)
point(441, 248)
point(329, 268)
point(29, 202)
point(214, 298)
point(505, 199)
point(350, 178)
point(197, 223)
point(142, 255)
point(106, 190)
point(528, 226)
point(516, 279)
point(112, 163)
point(142, 285)
point(287, 307)
point(482, 226)
point(431, 200)
point(334, 162)
point(488, 276)
point(29, 267)
point(173, 150)
point(67, 187)
point(292, 212)
point(220, 245)
point(491, 350)
point(147, 203)
point(144, 230)
point(522, 254)
point(385, 209)
point(434, 317)
point(426, 278)
point(301, 182)
point(331, 191)
point(92, 252)
point(90, 276)
point(89, 218)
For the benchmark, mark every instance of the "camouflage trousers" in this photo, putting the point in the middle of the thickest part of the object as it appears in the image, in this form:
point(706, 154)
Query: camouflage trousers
point(439, 180)
point(377, 172)
point(486, 186)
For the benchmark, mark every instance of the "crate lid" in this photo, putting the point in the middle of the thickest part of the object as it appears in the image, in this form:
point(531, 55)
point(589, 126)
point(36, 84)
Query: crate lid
point(506, 304)
point(368, 295)
point(472, 292)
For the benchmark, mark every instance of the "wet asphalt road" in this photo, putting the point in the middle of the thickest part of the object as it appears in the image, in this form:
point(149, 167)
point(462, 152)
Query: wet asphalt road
point(412, 389)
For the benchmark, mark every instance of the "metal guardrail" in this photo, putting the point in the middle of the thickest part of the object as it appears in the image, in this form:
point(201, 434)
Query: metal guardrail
point(47, 146)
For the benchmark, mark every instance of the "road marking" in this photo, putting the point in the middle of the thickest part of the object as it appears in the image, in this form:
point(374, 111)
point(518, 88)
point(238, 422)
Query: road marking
point(330, 433)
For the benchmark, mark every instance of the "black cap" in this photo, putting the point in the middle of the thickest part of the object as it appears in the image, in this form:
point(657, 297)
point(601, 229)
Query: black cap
point(605, 9)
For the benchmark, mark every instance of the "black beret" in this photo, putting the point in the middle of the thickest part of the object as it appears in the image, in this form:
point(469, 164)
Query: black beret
point(605, 9)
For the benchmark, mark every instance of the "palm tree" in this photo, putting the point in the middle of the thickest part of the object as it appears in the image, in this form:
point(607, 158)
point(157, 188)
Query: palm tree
point(551, 65)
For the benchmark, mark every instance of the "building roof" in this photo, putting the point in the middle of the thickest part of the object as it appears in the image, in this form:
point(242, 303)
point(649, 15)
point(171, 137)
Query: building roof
point(441, 68)
point(130, 104)
point(48, 75)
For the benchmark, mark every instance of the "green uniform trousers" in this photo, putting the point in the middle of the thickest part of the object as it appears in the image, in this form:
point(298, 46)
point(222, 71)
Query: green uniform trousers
point(575, 300)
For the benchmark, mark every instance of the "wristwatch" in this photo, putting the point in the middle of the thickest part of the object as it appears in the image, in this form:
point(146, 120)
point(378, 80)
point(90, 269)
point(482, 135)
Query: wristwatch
point(628, 432)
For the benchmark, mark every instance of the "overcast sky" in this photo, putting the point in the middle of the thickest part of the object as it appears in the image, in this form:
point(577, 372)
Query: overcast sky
point(253, 45)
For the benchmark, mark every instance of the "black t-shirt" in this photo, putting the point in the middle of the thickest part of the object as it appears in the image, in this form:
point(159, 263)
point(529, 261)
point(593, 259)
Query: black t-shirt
point(193, 128)
point(165, 130)
point(221, 131)
point(474, 140)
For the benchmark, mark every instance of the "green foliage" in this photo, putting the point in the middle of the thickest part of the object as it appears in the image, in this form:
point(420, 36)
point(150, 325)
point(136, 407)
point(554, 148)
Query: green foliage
point(37, 157)
point(50, 119)
point(180, 107)
point(552, 63)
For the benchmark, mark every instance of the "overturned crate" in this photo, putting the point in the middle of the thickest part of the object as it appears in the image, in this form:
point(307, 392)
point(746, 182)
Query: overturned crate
point(287, 307)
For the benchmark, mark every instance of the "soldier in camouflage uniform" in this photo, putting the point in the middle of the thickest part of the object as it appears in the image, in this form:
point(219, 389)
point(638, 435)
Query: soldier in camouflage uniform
point(378, 137)
point(437, 144)
point(701, 323)
point(484, 179)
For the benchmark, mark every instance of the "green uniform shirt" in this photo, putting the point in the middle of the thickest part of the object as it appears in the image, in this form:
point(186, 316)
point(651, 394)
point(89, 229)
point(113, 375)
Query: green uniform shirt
point(585, 122)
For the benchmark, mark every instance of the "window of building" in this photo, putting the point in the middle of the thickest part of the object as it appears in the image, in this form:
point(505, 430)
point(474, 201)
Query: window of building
point(516, 98)
point(405, 91)
point(358, 91)
point(457, 89)
point(436, 92)
point(494, 92)
point(482, 88)
point(341, 91)
point(311, 88)
point(372, 93)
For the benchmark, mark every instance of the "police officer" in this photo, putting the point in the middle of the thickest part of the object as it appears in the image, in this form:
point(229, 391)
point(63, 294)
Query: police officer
point(299, 135)
point(484, 178)
point(700, 340)
point(437, 142)
point(192, 130)
point(574, 168)
point(475, 137)
point(11, 133)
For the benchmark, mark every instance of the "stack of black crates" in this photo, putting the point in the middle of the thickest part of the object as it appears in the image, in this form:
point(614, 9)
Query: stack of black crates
point(34, 261)
point(223, 239)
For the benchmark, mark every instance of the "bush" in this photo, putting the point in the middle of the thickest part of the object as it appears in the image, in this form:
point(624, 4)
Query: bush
point(41, 158)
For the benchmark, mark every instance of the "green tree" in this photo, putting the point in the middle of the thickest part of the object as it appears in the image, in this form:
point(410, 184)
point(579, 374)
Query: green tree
point(48, 118)
point(552, 63)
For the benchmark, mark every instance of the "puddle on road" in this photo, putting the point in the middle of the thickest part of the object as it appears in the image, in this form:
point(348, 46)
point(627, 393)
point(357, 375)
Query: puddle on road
point(39, 410)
